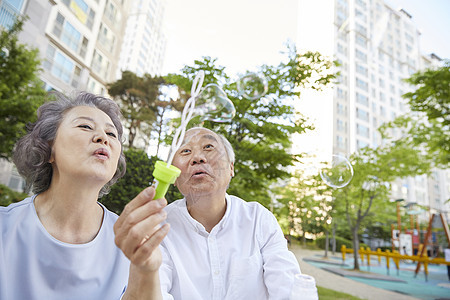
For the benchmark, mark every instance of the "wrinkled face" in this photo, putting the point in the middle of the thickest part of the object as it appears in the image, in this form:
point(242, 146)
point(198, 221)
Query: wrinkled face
point(204, 164)
point(86, 147)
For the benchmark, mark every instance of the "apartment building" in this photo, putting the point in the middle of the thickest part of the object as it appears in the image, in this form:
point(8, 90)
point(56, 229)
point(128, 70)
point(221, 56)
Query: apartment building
point(79, 43)
point(144, 43)
point(377, 46)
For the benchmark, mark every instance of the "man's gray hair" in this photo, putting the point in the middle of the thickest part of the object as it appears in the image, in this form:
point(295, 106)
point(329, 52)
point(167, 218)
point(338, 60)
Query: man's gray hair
point(228, 148)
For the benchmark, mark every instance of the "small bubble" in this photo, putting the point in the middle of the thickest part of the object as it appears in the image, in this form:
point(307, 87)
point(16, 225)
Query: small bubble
point(213, 104)
point(339, 173)
point(252, 86)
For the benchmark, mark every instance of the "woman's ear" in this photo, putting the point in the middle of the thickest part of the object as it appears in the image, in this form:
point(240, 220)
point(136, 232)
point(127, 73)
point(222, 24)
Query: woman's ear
point(232, 169)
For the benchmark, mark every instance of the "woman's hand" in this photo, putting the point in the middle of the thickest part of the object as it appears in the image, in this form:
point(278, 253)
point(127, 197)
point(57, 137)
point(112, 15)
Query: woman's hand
point(138, 233)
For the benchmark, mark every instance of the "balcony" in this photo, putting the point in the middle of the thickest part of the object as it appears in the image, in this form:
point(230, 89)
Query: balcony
point(8, 15)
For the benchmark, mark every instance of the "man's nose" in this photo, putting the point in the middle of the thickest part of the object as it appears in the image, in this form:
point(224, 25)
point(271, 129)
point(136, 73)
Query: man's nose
point(198, 158)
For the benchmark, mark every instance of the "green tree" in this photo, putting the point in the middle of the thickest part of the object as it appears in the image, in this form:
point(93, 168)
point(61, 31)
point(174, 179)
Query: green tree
point(307, 204)
point(138, 99)
point(138, 177)
point(261, 130)
point(8, 196)
point(369, 189)
point(21, 91)
point(428, 126)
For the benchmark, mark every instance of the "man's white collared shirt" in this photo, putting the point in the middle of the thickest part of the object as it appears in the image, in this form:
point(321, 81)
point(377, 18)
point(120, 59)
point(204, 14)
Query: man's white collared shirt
point(245, 256)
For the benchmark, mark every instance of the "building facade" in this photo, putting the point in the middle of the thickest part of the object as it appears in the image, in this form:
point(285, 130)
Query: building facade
point(79, 42)
point(144, 42)
point(377, 46)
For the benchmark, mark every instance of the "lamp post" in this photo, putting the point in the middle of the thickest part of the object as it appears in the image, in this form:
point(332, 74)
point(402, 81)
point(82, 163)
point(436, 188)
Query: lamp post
point(399, 220)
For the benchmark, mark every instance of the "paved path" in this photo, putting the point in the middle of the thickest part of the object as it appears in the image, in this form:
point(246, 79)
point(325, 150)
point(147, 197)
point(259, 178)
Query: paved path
point(342, 284)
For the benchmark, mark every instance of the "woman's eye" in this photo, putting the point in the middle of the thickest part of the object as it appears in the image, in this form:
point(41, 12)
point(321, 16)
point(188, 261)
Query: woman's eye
point(184, 151)
point(85, 126)
point(209, 146)
point(112, 134)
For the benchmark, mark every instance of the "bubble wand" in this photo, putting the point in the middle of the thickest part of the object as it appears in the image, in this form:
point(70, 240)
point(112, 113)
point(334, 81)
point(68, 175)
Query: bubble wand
point(165, 173)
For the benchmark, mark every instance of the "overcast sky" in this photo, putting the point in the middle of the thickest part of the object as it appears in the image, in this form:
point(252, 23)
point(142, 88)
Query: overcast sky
point(244, 34)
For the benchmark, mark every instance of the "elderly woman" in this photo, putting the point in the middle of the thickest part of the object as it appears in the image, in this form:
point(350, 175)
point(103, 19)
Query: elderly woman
point(61, 242)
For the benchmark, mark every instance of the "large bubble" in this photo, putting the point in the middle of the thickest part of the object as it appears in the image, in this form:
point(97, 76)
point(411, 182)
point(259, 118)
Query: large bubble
point(252, 86)
point(337, 174)
point(213, 104)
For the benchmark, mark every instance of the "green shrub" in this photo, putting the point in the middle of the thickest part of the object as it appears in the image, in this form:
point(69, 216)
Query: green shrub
point(8, 196)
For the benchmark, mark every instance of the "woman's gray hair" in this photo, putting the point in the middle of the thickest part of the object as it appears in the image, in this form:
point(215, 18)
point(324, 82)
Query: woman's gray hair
point(33, 151)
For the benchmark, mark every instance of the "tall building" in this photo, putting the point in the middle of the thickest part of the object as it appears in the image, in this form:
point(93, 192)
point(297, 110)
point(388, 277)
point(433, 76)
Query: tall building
point(79, 43)
point(377, 46)
point(144, 43)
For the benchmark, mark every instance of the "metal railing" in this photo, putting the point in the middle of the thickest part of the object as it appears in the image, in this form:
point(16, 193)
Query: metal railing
point(396, 257)
point(8, 15)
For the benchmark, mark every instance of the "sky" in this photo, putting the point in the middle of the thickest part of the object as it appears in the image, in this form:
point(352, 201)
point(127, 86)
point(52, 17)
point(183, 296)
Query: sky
point(244, 34)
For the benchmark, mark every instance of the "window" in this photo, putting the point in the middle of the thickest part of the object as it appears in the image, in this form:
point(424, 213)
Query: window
point(362, 130)
point(359, 14)
point(381, 83)
point(362, 84)
point(392, 88)
point(69, 36)
point(361, 29)
point(339, 125)
point(361, 69)
point(362, 114)
point(82, 11)
point(392, 102)
point(360, 55)
point(112, 13)
point(361, 144)
point(62, 67)
point(361, 3)
point(339, 141)
point(100, 64)
point(341, 49)
point(382, 97)
point(361, 41)
point(106, 38)
point(362, 99)
point(340, 109)
point(341, 93)
point(409, 38)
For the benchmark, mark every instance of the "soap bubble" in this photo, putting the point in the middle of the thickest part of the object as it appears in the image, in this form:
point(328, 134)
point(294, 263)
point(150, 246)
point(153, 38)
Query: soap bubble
point(252, 86)
point(213, 104)
point(339, 173)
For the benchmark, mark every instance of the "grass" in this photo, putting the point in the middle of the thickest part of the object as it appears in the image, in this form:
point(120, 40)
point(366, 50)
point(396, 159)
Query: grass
point(327, 294)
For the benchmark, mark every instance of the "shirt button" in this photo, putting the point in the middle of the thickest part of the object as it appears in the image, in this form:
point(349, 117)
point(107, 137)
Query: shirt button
point(216, 272)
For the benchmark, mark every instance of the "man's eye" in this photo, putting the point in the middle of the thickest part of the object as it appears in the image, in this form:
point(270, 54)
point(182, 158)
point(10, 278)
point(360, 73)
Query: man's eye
point(85, 126)
point(112, 134)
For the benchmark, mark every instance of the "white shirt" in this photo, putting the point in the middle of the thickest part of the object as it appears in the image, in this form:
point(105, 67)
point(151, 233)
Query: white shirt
point(245, 256)
point(35, 265)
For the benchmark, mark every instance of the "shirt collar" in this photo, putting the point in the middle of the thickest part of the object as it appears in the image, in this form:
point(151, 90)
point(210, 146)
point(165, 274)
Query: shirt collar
point(197, 226)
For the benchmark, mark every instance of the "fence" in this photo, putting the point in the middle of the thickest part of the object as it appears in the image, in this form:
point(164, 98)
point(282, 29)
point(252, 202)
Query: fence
point(396, 257)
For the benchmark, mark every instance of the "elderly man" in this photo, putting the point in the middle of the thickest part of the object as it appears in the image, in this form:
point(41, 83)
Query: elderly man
point(219, 246)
